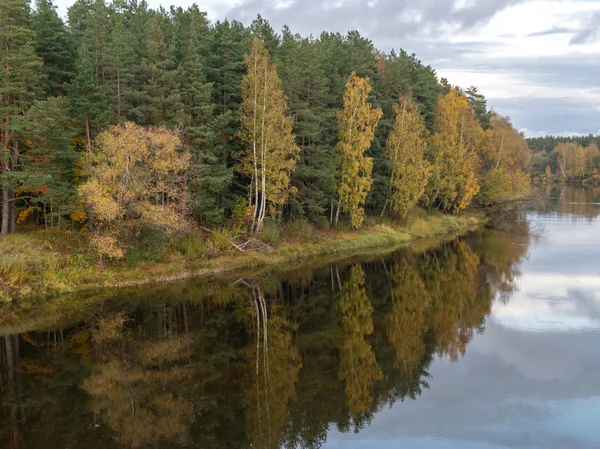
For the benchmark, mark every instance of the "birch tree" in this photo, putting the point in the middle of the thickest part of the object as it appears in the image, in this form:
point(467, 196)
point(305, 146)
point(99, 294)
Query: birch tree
point(405, 149)
point(270, 153)
point(357, 123)
point(454, 153)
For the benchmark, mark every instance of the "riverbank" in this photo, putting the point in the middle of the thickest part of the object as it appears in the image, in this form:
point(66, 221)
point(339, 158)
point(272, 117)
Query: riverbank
point(45, 264)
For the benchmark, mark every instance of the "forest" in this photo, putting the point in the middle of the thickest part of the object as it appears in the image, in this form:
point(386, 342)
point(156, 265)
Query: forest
point(120, 120)
point(565, 159)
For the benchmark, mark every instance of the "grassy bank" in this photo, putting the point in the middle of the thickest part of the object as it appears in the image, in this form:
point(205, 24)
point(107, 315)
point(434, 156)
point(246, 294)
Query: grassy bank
point(43, 264)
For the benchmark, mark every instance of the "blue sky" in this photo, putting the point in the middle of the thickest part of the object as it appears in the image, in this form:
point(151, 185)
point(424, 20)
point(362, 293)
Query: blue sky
point(537, 61)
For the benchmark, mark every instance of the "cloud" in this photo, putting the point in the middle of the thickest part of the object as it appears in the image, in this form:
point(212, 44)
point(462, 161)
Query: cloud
point(379, 19)
point(589, 32)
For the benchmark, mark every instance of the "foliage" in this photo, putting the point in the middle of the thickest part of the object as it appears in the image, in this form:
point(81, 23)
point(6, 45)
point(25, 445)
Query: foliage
point(357, 123)
point(454, 154)
point(271, 152)
point(505, 160)
point(405, 149)
point(136, 176)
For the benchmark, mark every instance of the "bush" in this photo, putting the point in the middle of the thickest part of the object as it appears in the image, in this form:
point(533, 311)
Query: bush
point(193, 246)
point(221, 239)
point(269, 234)
point(298, 231)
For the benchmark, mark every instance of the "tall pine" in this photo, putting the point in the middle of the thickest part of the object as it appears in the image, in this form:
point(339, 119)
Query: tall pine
point(20, 74)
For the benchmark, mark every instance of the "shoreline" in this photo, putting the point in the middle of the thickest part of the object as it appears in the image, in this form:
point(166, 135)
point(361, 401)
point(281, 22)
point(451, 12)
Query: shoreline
point(81, 276)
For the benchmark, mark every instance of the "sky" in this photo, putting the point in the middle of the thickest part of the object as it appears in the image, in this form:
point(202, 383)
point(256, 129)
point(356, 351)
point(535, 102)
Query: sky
point(537, 61)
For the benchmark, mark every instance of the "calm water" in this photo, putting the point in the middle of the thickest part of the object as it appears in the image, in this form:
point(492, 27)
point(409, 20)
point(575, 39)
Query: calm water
point(489, 341)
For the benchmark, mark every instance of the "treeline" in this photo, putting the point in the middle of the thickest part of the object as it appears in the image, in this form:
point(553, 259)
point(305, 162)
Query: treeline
point(566, 158)
point(129, 116)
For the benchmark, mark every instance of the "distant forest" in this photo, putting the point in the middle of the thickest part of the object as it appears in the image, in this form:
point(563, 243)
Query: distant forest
point(124, 116)
point(565, 157)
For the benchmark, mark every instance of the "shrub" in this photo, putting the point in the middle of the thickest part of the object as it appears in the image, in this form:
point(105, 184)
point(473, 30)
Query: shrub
point(269, 234)
point(193, 246)
point(298, 231)
point(221, 239)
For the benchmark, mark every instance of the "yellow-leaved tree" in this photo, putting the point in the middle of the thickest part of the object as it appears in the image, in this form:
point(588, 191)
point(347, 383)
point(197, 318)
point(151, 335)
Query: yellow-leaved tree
point(454, 154)
point(135, 177)
point(505, 161)
point(270, 153)
point(357, 123)
point(405, 149)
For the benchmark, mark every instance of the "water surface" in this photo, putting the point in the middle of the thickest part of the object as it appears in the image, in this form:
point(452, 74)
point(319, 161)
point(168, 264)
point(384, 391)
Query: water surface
point(488, 341)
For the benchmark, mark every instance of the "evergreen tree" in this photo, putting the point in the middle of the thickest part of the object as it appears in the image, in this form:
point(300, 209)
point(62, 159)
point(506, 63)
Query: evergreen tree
point(210, 176)
point(88, 21)
point(54, 44)
point(119, 68)
point(87, 99)
point(20, 74)
point(479, 105)
point(261, 29)
point(161, 102)
point(307, 87)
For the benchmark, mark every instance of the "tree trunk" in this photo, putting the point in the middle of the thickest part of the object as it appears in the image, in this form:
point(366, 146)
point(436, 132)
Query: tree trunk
point(88, 140)
point(12, 212)
point(5, 212)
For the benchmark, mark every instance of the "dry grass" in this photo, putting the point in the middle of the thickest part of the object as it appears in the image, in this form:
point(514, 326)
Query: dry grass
point(46, 264)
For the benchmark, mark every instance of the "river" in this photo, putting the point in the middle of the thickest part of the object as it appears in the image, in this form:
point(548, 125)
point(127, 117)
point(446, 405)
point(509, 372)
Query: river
point(487, 341)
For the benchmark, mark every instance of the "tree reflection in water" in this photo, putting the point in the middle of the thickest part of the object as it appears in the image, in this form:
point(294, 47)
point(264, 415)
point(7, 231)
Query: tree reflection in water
point(272, 361)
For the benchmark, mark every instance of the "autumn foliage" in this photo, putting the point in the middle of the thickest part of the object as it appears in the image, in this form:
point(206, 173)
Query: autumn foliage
point(357, 122)
point(135, 176)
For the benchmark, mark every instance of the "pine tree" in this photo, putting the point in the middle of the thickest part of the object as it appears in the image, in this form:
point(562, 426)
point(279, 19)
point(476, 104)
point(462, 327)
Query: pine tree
point(479, 105)
point(270, 154)
point(307, 87)
point(210, 176)
point(88, 21)
point(49, 161)
point(119, 68)
point(20, 74)
point(54, 45)
point(87, 99)
point(357, 123)
point(161, 102)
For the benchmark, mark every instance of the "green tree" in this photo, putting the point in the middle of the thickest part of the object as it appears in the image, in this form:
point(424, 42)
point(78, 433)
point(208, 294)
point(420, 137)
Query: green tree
point(54, 45)
point(20, 74)
point(479, 104)
point(89, 25)
point(87, 99)
point(357, 123)
point(305, 83)
point(120, 68)
point(162, 103)
point(211, 177)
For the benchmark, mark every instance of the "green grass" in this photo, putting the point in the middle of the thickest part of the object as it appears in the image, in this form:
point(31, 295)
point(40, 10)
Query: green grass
point(44, 264)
